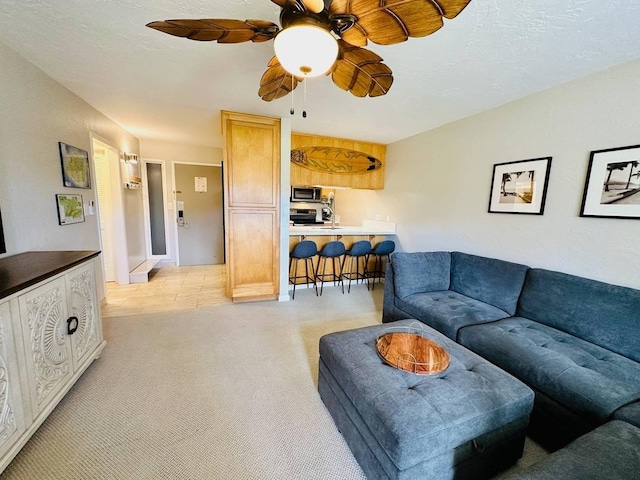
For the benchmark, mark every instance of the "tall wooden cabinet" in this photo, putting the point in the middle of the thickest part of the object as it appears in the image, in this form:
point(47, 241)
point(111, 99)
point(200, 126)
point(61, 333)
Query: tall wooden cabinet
point(252, 205)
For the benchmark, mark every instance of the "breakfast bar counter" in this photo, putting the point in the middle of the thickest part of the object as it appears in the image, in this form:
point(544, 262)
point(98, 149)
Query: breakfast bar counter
point(368, 228)
point(372, 230)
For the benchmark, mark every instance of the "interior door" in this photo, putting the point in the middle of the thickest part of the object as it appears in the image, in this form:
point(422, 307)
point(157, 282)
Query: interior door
point(105, 210)
point(200, 228)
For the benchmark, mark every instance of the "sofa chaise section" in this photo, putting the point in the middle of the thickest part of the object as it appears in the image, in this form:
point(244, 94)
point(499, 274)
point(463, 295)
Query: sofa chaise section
point(576, 342)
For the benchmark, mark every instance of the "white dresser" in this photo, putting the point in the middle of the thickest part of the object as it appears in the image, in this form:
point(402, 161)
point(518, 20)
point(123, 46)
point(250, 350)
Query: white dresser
point(50, 332)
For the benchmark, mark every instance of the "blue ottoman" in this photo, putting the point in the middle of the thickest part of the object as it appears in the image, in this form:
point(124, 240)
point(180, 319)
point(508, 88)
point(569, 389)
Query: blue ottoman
point(466, 422)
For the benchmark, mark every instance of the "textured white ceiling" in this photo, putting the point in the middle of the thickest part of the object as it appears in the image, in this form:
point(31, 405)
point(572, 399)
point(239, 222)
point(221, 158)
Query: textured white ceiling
point(159, 86)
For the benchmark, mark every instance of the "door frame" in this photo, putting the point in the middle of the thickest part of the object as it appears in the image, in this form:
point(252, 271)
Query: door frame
point(147, 217)
point(175, 206)
point(120, 249)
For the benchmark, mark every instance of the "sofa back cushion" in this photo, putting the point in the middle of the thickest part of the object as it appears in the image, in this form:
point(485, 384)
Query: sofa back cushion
point(420, 272)
point(489, 280)
point(604, 314)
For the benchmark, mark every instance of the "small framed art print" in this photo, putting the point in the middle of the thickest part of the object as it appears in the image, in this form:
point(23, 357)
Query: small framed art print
point(75, 166)
point(70, 209)
point(612, 187)
point(520, 186)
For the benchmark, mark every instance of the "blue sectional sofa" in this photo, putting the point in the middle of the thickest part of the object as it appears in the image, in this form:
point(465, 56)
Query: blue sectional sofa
point(574, 341)
point(611, 452)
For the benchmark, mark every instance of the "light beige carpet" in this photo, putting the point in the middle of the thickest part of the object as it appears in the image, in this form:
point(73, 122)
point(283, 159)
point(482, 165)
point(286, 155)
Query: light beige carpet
point(224, 392)
point(216, 393)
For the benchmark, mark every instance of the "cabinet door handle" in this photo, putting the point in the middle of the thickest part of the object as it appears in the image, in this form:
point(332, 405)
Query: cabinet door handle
point(72, 321)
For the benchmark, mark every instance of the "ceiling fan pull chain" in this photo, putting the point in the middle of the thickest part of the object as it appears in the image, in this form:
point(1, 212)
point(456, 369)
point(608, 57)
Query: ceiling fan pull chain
point(304, 100)
point(292, 111)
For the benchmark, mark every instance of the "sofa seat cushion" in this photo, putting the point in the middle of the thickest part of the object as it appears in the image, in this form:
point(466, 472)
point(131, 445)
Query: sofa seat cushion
point(416, 417)
point(586, 378)
point(448, 311)
point(629, 413)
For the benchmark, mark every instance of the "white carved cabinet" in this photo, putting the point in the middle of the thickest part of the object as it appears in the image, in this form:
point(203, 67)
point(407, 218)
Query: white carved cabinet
point(82, 302)
point(12, 423)
point(50, 332)
point(59, 332)
point(48, 353)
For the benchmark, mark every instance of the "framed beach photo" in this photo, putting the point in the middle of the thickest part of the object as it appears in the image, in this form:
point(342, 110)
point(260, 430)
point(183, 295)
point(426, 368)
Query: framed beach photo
point(75, 166)
point(70, 209)
point(520, 186)
point(612, 187)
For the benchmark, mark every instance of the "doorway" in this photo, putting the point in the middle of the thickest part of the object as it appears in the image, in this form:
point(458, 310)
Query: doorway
point(199, 214)
point(110, 211)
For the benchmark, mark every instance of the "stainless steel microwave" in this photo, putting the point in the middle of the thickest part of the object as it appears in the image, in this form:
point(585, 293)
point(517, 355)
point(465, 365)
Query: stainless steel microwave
point(306, 194)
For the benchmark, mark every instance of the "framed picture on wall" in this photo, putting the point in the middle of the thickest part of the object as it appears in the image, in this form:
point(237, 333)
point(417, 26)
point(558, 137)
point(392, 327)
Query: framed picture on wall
point(75, 166)
point(520, 186)
point(70, 209)
point(612, 187)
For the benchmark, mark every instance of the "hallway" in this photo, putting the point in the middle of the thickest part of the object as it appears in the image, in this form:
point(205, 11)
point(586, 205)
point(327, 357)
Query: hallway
point(169, 289)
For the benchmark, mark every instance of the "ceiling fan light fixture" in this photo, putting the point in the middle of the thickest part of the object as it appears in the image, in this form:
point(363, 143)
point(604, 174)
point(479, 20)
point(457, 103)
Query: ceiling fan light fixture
point(306, 50)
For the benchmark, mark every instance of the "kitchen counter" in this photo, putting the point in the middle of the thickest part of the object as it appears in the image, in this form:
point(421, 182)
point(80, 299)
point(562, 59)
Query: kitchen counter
point(368, 227)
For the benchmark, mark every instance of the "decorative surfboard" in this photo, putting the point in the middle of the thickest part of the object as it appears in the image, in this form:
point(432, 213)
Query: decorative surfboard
point(334, 160)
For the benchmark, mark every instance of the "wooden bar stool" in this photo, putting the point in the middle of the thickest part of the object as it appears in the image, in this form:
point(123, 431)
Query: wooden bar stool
point(333, 250)
point(359, 250)
point(304, 250)
point(381, 250)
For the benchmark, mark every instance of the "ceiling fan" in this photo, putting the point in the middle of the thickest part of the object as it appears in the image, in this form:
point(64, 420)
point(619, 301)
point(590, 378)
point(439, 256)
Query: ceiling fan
point(326, 37)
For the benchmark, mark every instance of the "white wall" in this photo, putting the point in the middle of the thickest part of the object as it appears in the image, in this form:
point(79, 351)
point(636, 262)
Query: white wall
point(36, 113)
point(353, 206)
point(171, 152)
point(437, 183)
point(436, 186)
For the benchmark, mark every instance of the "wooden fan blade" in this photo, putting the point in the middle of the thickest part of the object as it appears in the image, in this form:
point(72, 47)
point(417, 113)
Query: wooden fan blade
point(394, 21)
point(220, 30)
point(276, 82)
point(361, 72)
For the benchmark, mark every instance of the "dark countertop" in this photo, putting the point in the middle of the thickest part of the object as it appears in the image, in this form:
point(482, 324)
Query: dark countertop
point(20, 271)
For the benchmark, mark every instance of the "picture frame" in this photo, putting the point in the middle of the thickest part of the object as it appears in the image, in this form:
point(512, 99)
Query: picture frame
point(70, 208)
point(612, 185)
point(520, 187)
point(75, 166)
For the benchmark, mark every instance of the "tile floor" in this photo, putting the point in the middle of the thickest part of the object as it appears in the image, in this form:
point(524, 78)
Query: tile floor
point(169, 288)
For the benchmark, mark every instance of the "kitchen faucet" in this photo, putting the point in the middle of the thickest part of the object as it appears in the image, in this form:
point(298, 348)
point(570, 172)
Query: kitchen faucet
point(332, 208)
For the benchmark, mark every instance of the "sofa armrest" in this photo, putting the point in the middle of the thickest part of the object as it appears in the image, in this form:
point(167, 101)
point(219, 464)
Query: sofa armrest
point(388, 300)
